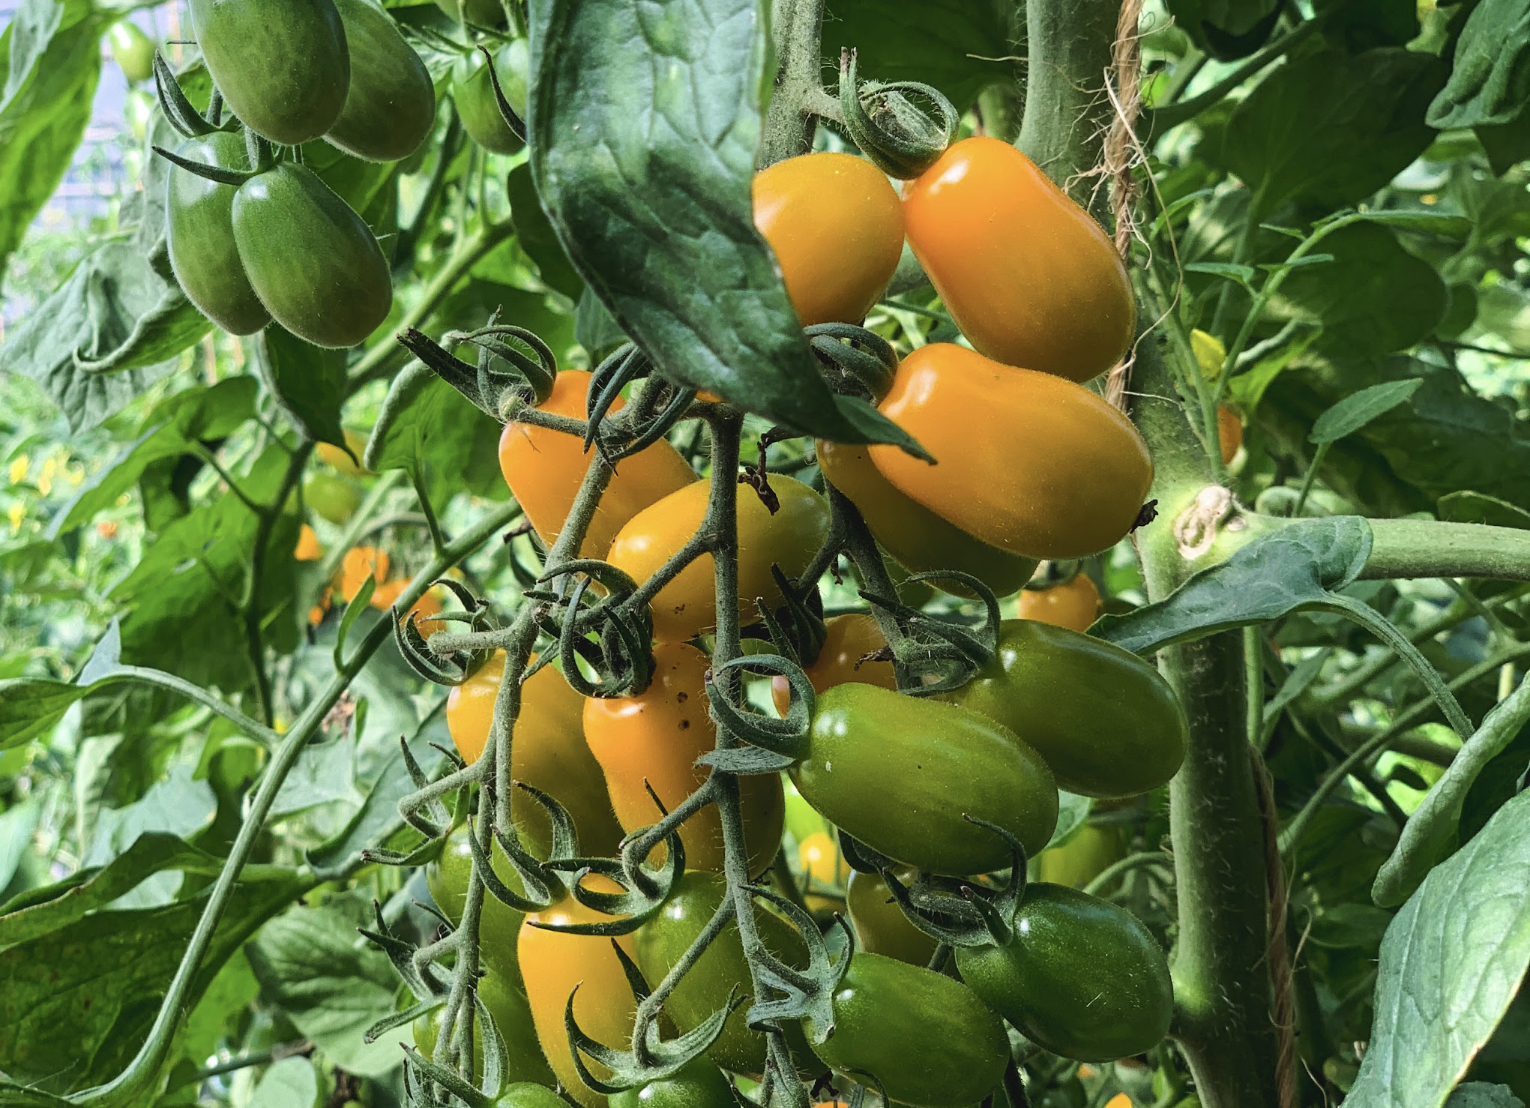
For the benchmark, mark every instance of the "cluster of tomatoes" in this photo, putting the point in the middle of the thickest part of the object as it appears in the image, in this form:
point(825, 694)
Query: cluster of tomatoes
point(1030, 465)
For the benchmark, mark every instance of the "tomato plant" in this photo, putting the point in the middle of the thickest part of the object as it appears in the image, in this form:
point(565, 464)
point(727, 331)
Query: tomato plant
point(716, 411)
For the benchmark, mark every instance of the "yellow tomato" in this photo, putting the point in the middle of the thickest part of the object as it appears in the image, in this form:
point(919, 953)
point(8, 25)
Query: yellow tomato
point(340, 460)
point(1073, 604)
point(308, 548)
point(821, 862)
point(847, 640)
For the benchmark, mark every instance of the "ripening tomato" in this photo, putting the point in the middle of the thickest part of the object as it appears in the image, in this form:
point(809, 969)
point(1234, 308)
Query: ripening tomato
point(898, 773)
point(552, 965)
point(1080, 977)
point(687, 606)
point(1083, 856)
point(336, 458)
point(359, 563)
point(1105, 721)
point(1029, 276)
point(511, 1011)
point(498, 923)
point(698, 1084)
point(929, 1040)
point(1074, 604)
point(880, 925)
point(308, 548)
point(547, 751)
point(847, 640)
point(663, 940)
point(821, 862)
point(836, 228)
point(919, 539)
point(656, 737)
point(1024, 461)
point(1229, 433)
point(545, 468)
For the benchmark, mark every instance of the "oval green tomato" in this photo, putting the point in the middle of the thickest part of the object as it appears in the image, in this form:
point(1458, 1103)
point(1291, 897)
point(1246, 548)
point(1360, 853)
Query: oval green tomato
point(478, 107)
point(699, 1084)
point(335, 498)
point(660, 943)
point(199, 233)
point(880, 925)
point(1104, 720)
point(485, 13)
point(899, 773)
point(391, 103)
point(281, 65)
point(498, 923)
point(929, 1040)
point(312, 261)
point(1080, 977)
point(131, 50)
point(526, 1094)
point(512, 1018)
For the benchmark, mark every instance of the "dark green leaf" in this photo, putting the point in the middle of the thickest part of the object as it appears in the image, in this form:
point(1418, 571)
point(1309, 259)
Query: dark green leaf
point(1431, 831)
point(31, 705)
point(1228, 29)
point(54, 53)
point(309, 964)
point(1373, 297)
point(1332, 128)
point(1450, 964)
point(1480, 1094)
point(1490, 76)
point(307, 381)
point(1270, 577)
point(643, 128)
point(1356, 410)
point(959, 46)
point(536, 235)
point(102, 977)
point(1507, 144)
point(1474, 507)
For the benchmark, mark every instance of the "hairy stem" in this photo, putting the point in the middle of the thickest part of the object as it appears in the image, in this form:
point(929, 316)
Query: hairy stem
point(789, 121)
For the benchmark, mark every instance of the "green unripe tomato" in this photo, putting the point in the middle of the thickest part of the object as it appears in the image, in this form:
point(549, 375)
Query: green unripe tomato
point(391, 103)
point(281, 65)
point(899, 773)
point(512, 1018)
point(1105, 721)
point(699, 1084)
point(880, 925)
point(930, 1040)
point(199, 233)
point(527, 1094)
point(477, 106)
point(313, 261)
point(659, 944)
point(334, 498)
point(485, 13)
point(1080, 977)
point(1091, 850)
point(498, 923)
point(131, 50)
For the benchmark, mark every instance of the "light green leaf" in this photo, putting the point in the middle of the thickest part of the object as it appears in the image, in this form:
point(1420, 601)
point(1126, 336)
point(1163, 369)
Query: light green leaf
point(1356, 410)
point(290, 1083)
point(306, 380)
point(1479, 1094)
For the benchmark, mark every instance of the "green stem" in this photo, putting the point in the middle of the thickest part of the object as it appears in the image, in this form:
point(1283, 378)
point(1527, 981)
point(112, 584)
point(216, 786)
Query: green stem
point(164, 680)
point(791, 120)
point(1310, 477)
point(250, 607)
point(135, 1084)
point(1119, 869)
point(1408, 548)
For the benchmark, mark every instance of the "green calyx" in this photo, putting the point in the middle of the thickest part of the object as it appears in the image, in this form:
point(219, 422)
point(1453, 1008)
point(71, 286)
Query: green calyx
point(887, 121)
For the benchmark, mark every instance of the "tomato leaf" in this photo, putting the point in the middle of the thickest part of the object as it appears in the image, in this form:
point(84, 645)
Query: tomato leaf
point(536, 235)
point(643, 162)
point(1451, 962)
point(1430, 833)
point(1299, 565)
point(1474, 507)
point(290, 1083)
point(1356, 410)
point(1332, 128)
point(441, 440)
point(1490, 78)
point(306, 380)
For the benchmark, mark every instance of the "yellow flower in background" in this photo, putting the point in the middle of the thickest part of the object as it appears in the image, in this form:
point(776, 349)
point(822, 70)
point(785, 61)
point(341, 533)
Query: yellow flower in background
point(1209, 352)
point(19, 466)
point(17, 512)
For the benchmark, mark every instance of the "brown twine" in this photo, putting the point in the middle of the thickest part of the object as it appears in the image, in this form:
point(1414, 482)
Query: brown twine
point(1122, 153)
point(1284, 1014)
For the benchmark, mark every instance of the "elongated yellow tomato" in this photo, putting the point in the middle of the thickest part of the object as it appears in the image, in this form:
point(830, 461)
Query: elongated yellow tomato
point(836, 228)
point(656, 737)
point(545, 468)
point(1029, 277)
point(547, 750)
point(1024, 461)
point(847, 641)
point(1072, 604)
point(918, 538)
point(687, 606)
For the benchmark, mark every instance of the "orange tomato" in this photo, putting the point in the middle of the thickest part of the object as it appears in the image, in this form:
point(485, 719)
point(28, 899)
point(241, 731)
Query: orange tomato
point(359, 563)
point(1229, 433)
point(656, 736)
point(552, 965)
point(821, 863)
point(547, 750)
point(836, 227)
point(1073, 604)
point(545, 468)
point(1029, 277)
point(1024, 461)
point(687, 606)
point(847, 640)
point(308, 548)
